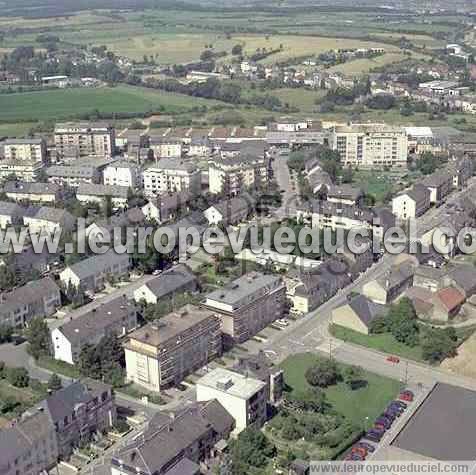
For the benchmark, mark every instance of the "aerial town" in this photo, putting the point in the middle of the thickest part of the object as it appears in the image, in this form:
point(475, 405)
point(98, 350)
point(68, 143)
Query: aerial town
point(134, 133)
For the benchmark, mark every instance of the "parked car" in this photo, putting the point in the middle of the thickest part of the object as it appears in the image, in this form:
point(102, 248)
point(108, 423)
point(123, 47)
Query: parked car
point(369, 447)
point(359, 450)
point(399, 403)
point(393, 359)
point(384, 422)
point(373, 435)
point(407, 396)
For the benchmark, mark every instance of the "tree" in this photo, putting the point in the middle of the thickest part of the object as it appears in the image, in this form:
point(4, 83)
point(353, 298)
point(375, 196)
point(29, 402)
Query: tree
point(323, 373)
point(438, 344)
point(381, 101)
point(352, 375)
point(250, 449)
point(54, 383)
point(206, 55)
point(18, 377)
point(38, 337)
point(237, 50)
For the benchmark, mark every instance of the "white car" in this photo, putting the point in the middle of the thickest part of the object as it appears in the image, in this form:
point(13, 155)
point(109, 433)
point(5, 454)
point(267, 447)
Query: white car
point(157, 272)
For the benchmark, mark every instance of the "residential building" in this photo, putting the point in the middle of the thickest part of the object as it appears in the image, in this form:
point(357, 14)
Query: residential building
point(28, 447)
point(243, 397)
point(83, 139)
point(234, 175)
point(259, 367)
point(345, 195)
point(248, 304)
point(230, 211)
point(32, 191)
point(38, 298)
point(164, 147)
point(117, 317)
point(370, 145)
point(390, 286)
point(163, 353)
point(123, 173)
point(167, 207)
point(48, 220)
point(178, 279)
point(175, 444)
point(442, 305)
point(411, 203)
point(171, 176)
point(95, 193)
point(74, 175)
point(29, 149)
point(200, 146)
point(24, 170)
point(357, 314)
point(92, 273)
point(420, 140)
point(439, 185)
point(78, 411)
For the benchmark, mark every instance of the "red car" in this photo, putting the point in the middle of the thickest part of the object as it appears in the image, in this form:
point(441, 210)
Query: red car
point(359, 450)
point(406, 396)
point(393, 359)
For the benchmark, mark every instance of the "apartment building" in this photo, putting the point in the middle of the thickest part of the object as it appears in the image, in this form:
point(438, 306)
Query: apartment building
point(247, 305)
point(32, 192)
point(87, 170)
point(411, 203)
point(170, 176)
point(123, 173)
point(84, 139)
point(440, 185)
point(371, 145)
point(117, 317)
point(38, 298)
point(33, 150)
point(92, 273)
point(24, 170)
point(162, 353)
point(175, 444)
point(242, 396)
point(29, 446)
point(78, 412)
point(164, 147)
point(46, 219)
point(97, 193)
point(234, 174)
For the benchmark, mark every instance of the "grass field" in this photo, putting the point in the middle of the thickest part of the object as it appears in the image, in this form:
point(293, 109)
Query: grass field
point(378, 184)
point(360, 406)
point(15, 129)
point(66, 103)
point(384, 342)
point(303, 99)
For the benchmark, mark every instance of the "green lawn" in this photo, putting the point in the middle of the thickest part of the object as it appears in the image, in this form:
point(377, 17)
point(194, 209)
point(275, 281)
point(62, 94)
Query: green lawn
point(384, 342)
point(357, 405)
point(58, 367)
point(70, 103)
point(375, 183)
point(15, 129)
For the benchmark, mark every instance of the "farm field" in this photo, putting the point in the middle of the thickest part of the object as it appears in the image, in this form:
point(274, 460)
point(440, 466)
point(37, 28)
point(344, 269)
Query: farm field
point(66, 103)
point(301, 98)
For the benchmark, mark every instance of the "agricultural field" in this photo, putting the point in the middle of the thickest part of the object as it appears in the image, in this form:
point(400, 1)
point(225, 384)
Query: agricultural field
point(70, 103)
point(303, 99)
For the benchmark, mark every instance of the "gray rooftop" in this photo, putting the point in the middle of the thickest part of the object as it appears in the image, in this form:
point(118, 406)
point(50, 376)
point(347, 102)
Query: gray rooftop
point(33, 188)
point(443, 426)
point(97, 263)
point(244, 290)
point(93, 189)
point(172, 280)
point(365, 309)
point(87, 326)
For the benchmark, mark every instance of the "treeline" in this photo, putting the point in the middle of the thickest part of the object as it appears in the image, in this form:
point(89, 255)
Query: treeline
point(221, 91)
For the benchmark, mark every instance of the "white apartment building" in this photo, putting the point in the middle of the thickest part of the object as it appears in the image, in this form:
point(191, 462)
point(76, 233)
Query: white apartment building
point(370, 145)
point(171, 176)
point(96, 193)
point(25, 149)
point(243, 397)
point(122, 173)
point(411, 203)
point(165, 147)
point(83, 139)
point(234, 174)
point(24, 170)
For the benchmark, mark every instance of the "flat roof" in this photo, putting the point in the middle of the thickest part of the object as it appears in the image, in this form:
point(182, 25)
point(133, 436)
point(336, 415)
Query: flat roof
point(443, 426)
point(231, 383)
